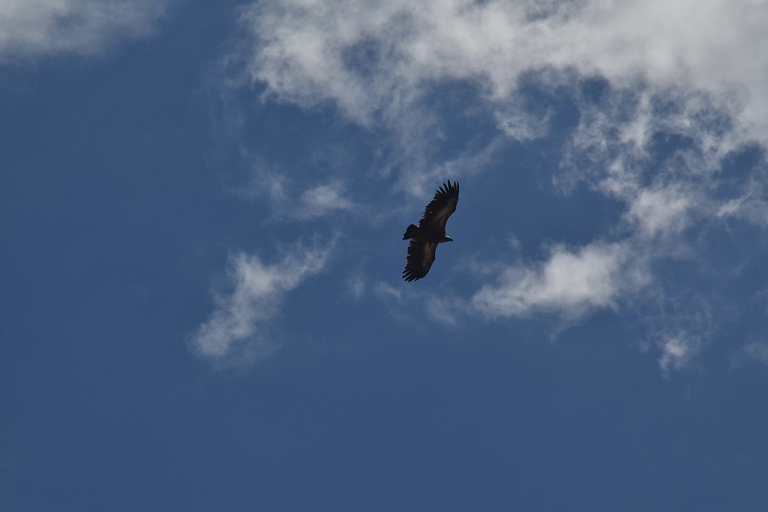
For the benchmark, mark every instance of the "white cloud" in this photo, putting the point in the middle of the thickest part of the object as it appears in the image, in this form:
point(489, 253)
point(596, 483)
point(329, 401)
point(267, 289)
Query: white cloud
point(291, 198)
point(692, 70)
point(34, 28)
point(322, 200)
point(683, 324)
point(444, 310)
point(678, 350)
point(396, 300)
point(368, 57)
point(665, 91)
point(387, 292)
point(660, 210)
point(569, 283)
point(235, 332)
point(622, 150)
point(750, 204)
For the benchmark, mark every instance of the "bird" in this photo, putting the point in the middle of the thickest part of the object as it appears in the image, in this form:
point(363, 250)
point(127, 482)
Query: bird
point(430, 231)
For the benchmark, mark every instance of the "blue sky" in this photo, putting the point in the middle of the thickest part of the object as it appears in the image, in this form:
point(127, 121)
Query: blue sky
point(201, 213)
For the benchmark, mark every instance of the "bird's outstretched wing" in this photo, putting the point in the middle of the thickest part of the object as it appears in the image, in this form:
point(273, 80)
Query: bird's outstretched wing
point(421, 254)
point(441, 207)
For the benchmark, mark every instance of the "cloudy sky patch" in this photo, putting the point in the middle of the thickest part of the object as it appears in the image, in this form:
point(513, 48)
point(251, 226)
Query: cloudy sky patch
point(190, 186)
point(35, 28)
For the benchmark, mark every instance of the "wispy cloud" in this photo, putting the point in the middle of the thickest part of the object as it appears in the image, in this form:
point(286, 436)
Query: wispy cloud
point(569, 283)
point(379, 62)
point(35, 28)
point(678, 349)
point(752, 352)
point(236, 332)
point(356, 284)
point(371, 57)
point(661, 110)
point(660, 210)
point(387, 292)
point(290, 198)
point(324, 199)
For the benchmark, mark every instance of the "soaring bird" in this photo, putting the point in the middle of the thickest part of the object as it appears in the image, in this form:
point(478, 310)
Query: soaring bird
point(430, 231)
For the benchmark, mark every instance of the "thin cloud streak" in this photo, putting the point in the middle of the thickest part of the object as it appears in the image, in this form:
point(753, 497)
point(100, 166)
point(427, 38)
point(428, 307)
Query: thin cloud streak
point(751, 352)
point(292, 199)
point(35, 28)
point(236, 332)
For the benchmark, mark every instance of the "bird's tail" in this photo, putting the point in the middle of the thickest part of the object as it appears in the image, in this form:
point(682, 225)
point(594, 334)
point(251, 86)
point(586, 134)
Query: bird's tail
point(411, 232)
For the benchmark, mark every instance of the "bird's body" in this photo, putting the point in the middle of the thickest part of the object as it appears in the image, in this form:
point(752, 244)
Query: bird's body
point(430, 232)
